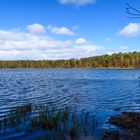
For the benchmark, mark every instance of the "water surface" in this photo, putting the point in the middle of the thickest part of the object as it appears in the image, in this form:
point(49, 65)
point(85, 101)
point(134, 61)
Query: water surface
point(99, 92)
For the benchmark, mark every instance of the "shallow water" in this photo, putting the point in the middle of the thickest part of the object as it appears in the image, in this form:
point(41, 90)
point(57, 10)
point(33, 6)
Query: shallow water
point(99, 92)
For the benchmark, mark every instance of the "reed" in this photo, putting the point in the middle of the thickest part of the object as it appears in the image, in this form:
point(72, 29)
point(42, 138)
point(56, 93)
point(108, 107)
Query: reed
point(57, 124)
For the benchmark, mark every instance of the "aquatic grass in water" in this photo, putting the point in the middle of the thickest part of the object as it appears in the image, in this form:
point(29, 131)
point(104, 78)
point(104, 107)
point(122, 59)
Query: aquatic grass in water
point(65, 124)
point(16, 117)
point(56, 124)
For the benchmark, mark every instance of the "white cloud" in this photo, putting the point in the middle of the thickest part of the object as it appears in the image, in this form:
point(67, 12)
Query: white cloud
point(60, 30)
point(17, 45)
point(36, 28)
point(77, 2)
point(108, 39)
point(26, 41)
point(131, 30)
point(81, 41)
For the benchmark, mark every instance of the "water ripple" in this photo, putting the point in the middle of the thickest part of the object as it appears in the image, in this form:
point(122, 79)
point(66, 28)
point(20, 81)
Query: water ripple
point(82, 89)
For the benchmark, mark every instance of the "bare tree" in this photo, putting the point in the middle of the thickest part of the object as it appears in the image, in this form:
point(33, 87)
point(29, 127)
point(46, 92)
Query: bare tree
point(132, 12)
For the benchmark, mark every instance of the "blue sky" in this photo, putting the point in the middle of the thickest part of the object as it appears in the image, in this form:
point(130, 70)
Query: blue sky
point(63, 29)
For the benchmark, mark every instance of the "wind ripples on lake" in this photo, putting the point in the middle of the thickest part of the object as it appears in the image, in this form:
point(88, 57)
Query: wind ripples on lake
point(97, 91)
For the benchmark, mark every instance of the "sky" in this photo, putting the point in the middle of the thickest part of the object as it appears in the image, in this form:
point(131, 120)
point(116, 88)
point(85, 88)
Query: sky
point(65, 29)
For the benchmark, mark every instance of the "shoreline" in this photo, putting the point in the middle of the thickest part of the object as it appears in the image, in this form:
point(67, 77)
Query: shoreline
point(71, 68)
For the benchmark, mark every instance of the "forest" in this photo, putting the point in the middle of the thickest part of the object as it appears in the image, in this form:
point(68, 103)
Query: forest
point(120, 60)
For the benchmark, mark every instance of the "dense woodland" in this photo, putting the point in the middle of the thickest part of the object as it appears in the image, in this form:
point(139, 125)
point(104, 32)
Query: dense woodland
point(116, 60)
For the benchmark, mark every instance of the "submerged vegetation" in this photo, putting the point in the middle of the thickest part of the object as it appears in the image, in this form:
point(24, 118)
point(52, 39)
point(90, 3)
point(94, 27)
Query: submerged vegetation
point(128, 124)
point(67, 124)
point(128, 121)
point(60, 125)
point(16, 117)
point(117, 60)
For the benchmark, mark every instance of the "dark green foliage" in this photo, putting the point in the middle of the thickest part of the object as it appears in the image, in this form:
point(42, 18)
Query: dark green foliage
point(117, 60)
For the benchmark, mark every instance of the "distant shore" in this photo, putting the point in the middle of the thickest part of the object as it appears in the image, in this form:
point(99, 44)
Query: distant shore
point(71, 68)
point(129, 60)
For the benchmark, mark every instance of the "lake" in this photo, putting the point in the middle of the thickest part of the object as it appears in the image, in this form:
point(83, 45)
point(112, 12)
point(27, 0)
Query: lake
point(100, 92)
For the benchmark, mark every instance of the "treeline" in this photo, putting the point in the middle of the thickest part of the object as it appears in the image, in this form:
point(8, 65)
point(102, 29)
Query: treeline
point(117, 60)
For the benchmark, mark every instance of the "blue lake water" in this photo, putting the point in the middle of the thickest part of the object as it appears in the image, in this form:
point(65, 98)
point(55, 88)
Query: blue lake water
point(99, 92)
